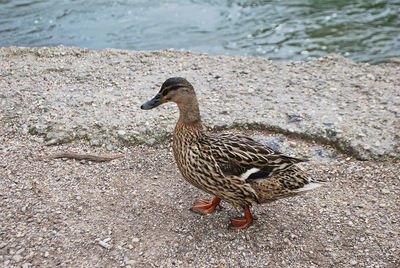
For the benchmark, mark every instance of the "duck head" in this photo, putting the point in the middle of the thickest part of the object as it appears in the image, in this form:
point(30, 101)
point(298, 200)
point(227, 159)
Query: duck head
point(175, 89)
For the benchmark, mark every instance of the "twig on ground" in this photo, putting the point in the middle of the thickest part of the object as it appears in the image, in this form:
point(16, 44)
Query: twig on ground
point(34, 187)
point(89, 157)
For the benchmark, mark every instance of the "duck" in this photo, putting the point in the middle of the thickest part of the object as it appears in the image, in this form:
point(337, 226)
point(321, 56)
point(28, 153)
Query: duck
point(232, 167)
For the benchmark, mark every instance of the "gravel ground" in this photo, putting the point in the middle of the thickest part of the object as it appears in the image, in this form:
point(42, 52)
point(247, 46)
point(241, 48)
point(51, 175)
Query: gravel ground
point(64, 94)
point(134, 211)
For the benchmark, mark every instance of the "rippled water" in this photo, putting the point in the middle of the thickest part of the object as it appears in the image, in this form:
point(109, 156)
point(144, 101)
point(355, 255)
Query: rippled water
point(280, 30)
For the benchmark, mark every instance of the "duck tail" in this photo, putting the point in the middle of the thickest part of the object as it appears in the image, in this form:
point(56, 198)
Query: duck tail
point(310, 186)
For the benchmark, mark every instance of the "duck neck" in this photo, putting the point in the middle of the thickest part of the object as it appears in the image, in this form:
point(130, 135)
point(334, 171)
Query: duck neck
point(189, 114)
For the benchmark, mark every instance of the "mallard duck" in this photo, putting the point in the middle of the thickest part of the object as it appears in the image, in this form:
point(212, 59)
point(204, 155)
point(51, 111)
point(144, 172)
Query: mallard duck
point(232, 167)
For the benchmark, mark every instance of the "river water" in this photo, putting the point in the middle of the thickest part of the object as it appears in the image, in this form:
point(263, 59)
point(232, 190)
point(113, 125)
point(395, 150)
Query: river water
point(279, 30)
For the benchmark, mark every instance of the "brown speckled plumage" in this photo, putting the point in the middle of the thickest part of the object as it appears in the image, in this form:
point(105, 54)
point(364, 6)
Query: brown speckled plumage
point(234, 168)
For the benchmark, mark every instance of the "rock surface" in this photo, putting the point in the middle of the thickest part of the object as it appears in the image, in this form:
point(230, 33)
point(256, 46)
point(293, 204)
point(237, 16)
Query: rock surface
point(134, 211)
point(63, 94)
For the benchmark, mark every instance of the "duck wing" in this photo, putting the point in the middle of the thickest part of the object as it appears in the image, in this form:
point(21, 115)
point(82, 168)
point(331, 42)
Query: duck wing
point(206, 174)
point(239, 154)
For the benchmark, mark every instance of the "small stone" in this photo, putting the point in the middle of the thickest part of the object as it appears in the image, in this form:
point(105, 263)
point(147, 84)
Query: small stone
point(94, 142)
point(26, 265)
point(371, 76)
point(109, 147)
point(130, 262)
point(221, 125)
point(121, 132)
point(358, 205)
point(294, 118)
point(292, 144)
point(20, 234)
point(104, 244)
point(46, 254)
point(135, 240)
point(88, 100)
point(353, 262)
point(17, 258)
point(51, 142)
point(3, 245)
point(151, 141)
point(385, 191)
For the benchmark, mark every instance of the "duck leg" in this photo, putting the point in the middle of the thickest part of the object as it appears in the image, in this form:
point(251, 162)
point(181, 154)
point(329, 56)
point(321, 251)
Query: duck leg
point(208, 206)
point(241, 224)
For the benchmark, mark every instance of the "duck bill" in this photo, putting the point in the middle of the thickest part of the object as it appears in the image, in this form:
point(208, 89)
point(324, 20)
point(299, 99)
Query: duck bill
point(154, 102)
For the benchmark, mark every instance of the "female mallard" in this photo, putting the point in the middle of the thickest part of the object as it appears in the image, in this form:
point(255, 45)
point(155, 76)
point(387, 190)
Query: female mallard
point(234, 168)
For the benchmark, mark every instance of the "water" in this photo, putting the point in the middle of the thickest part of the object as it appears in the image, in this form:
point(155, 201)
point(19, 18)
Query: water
point(280, 30)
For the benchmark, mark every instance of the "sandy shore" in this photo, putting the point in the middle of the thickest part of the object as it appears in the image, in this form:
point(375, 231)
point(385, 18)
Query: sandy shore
point(134, 211)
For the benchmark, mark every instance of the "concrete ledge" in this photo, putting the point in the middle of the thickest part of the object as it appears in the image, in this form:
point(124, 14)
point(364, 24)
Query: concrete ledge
point(65, 93)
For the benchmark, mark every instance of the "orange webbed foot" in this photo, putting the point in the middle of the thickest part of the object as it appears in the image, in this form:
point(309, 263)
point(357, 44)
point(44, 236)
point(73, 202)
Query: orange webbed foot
point(208, 206)
point(241, 224)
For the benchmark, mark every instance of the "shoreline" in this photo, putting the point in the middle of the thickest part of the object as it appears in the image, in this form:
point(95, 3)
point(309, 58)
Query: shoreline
point(62, 94)
point(133, 211)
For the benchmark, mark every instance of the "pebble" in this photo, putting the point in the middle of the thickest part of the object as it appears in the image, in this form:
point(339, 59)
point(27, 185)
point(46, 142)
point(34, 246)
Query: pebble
point(17, 258)
point(385, 191)
point(121, 132)
point(221, 124)
point(130, 262)
point(151, 141)
point(95, 142)
point(104, 244)
point(353, 262)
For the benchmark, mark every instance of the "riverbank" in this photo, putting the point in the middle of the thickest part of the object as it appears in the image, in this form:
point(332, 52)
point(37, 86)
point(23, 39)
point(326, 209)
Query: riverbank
point(62, 94)
point(134, 211)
